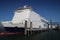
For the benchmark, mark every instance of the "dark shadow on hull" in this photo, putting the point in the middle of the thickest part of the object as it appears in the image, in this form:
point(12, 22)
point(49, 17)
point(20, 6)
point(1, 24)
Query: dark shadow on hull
point(14, 29)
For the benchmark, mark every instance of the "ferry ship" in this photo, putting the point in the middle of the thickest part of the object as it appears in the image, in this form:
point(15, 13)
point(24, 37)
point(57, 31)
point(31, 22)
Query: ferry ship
point(22, 14)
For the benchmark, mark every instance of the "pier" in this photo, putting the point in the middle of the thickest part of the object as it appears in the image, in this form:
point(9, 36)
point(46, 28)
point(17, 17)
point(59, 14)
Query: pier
point(30, 30)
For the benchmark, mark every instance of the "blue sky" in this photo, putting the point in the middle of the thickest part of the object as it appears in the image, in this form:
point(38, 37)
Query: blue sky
point(49, 9)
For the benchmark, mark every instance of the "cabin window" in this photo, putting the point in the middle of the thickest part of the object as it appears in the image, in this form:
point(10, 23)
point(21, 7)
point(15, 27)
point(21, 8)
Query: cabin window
point(39, 27)
point(45, 25)
point(19, 11)
point(43, 21)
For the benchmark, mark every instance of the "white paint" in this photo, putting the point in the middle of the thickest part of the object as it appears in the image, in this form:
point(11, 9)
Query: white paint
point(26, 14)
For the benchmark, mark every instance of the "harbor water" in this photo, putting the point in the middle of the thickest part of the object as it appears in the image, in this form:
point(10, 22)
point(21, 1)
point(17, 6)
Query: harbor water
point(48, 35)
